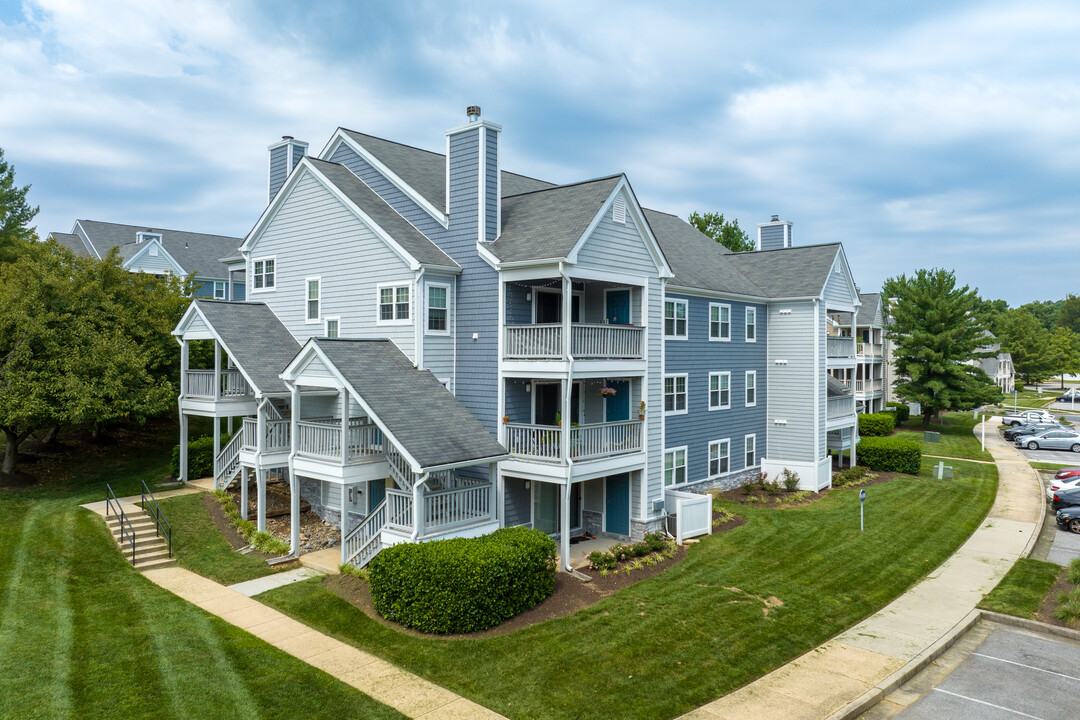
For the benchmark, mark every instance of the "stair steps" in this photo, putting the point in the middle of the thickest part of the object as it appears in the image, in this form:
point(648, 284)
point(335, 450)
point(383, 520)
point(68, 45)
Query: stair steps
point(151, 550)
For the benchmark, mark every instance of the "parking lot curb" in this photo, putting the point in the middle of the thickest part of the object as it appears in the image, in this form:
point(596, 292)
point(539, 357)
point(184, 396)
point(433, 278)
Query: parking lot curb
point(1033, 540)
point(1032, 625)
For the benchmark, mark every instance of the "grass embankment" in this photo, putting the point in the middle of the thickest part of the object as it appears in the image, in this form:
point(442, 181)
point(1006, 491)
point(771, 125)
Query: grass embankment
point(82, 635)
point(1022, 590)
point(702, 628)
point(957, 436)
point(1049, 466)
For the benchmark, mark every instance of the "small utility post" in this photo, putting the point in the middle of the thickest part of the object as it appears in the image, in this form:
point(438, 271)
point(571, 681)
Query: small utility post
point(862, 501)
point(983, 424)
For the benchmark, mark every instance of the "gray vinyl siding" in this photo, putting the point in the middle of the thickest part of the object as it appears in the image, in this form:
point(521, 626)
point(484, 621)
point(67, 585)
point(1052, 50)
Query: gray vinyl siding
point(790, 385)
point(838, 292)
point(771, 237)
point(203, 290)
point(238, 291)
point(491, 180)
point(518, 308)
point(518, 503)
point(279, 168)
point(388, 191)
point(476, 384)
point(332, 493)
point(439, 349)
point(697, 356)
point(518, 401)
point(314, 235)
point(160, 265)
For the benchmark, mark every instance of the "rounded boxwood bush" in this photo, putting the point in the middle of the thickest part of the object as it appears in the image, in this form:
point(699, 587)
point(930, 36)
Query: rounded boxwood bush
point(200, 457)
point(463, 584)
point(901, 411)
point(876, 424)
point(890, 455)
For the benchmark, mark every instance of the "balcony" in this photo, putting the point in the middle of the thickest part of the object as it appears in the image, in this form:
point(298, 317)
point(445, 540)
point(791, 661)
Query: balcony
point(869, 350)
point(865, 387)
point(840, 407)
point(840, 347)
point(323, 440)
point(230, 385)
point(587, 342)
point(587, 442)
point(443, 510)
point(276, 439)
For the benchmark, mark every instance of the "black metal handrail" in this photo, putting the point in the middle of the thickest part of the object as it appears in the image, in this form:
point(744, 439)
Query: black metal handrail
point(164, 529)
point(129, 535)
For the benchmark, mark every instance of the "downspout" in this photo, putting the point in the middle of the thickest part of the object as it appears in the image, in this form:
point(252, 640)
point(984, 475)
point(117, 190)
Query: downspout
point(568, 305)
point(817, 385)
point(418, 508)
point(294, 484)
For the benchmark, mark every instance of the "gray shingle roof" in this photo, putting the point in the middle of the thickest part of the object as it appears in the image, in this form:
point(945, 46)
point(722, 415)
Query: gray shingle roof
point(548, 223)
point(72, 242)
point(195, 252)
point(432, 425)
point(404, 233)
point(866, 313)
point(697, 260)
point(425, 171)
point(788, 272)
point(255, 339)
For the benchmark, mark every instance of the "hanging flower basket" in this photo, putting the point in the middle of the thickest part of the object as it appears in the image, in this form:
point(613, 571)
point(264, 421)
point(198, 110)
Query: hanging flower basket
point(607, 392)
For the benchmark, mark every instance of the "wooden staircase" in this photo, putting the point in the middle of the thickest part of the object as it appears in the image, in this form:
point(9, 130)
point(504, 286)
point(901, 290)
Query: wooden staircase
point(151, 550)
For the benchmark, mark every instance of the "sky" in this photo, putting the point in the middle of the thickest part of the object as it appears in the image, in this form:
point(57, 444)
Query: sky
point(919, 134)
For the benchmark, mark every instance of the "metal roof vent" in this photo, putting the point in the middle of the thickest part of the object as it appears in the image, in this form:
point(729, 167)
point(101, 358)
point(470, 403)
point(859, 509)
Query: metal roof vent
point(473, 111)
point(775, 218)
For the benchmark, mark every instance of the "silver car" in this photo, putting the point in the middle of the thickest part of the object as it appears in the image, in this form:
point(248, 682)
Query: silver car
point(1051, 440)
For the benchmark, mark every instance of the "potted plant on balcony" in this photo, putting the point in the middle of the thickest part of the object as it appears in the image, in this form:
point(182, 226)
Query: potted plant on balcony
point(506, 418)
point(641, 411)
point(607, 392)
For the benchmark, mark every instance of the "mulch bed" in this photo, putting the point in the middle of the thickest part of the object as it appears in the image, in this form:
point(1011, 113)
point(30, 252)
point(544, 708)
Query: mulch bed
point(752, 494)
point(1050, 603)
point(225, 526)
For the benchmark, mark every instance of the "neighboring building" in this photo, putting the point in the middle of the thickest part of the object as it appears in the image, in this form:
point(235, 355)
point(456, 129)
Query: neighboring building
point(868, 379)
point(219, 271)
point(999, 366)
point(434, 346)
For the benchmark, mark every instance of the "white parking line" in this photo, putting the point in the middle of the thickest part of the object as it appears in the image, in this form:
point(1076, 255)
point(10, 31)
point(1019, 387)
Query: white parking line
point(1029, 667)
point(983, 702)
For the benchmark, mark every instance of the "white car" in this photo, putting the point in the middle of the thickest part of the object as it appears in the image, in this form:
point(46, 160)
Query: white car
point(1067, 484)
point(1025, 417)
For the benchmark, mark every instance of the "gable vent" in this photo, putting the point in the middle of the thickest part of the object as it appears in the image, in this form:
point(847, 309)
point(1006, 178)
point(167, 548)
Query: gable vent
point(619, 211)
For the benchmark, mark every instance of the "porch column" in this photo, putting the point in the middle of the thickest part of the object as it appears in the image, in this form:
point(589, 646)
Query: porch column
point(217, 371)
point(496, 494)
point(185, 362)
point(343, 525)
point(228, 425)
point(260, 498)
point(564, 527)
point(245, 478)
point(564, 428)
point(344, 426)
point(294, 485)
point(854, 441)
point(183, 447)
point(418, 506)
point(217, 445)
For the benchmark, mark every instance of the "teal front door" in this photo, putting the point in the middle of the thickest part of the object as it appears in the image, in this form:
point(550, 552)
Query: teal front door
point(618, 307)
point(617, 504)
point(546, 507)
point(376, 493)
point(617, 406)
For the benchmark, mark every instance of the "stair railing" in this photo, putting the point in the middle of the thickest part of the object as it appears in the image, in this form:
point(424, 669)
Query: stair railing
point(227, 461)
point(125, 535)
point(164, 529)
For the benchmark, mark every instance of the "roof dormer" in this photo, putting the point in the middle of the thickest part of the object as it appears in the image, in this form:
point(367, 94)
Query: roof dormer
point(145, 236)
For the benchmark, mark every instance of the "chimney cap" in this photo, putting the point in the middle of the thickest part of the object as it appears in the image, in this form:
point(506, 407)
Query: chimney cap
point(287, 137)
point(473, 111)
point(775, 218)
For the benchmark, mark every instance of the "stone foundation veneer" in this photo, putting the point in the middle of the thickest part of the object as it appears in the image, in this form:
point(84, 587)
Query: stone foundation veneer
point(727, 482)
point(311, 490)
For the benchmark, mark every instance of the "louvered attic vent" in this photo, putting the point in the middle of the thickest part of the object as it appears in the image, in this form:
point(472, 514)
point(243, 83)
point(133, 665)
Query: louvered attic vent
point(619, 211)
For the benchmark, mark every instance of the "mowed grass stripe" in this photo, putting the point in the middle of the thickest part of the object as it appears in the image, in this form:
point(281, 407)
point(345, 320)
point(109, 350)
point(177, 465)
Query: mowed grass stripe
point(65, 624)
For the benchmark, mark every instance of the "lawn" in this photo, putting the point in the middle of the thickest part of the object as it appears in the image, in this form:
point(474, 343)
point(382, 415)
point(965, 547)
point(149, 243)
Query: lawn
point(82, 635)
point(1022, 590)
point(199, 546)
point(699, 630)
point(958, 439)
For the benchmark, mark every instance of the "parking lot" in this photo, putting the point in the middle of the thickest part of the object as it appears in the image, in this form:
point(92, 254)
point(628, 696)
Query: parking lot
point(1012, 674)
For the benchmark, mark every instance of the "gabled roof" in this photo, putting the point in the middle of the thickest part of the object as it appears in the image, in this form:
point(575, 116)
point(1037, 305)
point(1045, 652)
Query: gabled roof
point(697, 260)
point(430, 424)
point(835, 388)
point(411, 240)
point(194, 252)
point(548, 223)
point(867, 313)
point(72, 242)
point(425, 171)
point(795, 272)
point(259, 344)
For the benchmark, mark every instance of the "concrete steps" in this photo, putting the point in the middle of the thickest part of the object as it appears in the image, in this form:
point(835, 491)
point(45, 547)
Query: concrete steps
point(151, 550)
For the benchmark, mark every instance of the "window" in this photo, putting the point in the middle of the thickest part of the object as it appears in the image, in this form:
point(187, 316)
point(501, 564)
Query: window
point(333, 327)
point(751, 388)
point(719, 322)
point(675, 319)
point(394, 304)
point(437, 309)
point(263, 274)
point(751, 324)
point(675, 466)
point(719, 457)
point(674, 394)
point(751, 450)
point(314, 299)
point(219, 290)
point(719, 391)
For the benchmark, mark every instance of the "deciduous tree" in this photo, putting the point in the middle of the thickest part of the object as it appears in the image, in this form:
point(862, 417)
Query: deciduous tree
point(1023, 336)
point(1064, 353)
point(726, 232)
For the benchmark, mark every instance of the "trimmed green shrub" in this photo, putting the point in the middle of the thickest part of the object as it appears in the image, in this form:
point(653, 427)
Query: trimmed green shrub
point(851, 475)
point(901, 411)
point(790, 480)
point(200, 457)
point(463, 584)
point(890, 455)
point(876, 424)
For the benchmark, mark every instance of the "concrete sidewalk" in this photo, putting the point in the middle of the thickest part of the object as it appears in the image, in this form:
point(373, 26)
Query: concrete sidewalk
point(401, 690)
point(850, 666)
point(99, 506)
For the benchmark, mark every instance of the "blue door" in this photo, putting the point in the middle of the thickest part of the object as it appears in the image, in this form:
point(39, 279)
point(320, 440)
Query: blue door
point(618, 307)
point(617, 504)
point(617, 406)
point(376, 493)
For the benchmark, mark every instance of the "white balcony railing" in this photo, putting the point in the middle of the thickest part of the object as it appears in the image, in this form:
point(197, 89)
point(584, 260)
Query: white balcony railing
point(840, 347)
point(868, 386)
point(534, 441)
point(200, 384)
point(587, 341)
point(587, 442)
point(840, 406)
point(277, 435)
point(399, 504)
point(446, 508)
point(864, 349)
point(322, 440)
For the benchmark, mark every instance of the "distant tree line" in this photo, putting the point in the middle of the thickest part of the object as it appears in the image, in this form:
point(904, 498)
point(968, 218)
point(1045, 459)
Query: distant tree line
point(1043, 337)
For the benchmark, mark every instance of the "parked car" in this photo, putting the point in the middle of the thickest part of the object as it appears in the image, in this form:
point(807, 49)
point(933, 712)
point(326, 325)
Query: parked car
point(1031, 429)
point(1051, 440)
point(1025, 417)
point(1067, 472)
point(1065, 498)
point(1069, 396)
point(1065, 484)
point(1069, 518)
